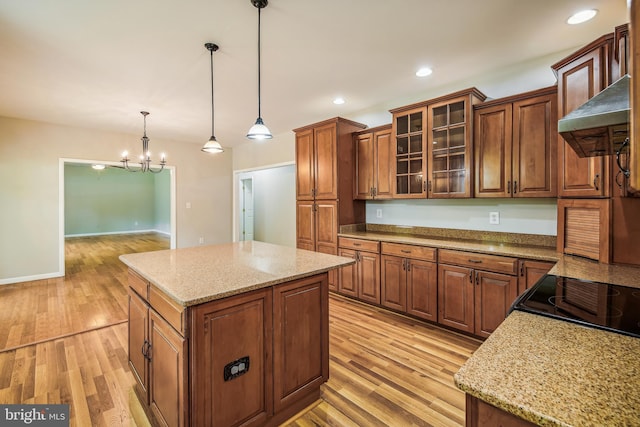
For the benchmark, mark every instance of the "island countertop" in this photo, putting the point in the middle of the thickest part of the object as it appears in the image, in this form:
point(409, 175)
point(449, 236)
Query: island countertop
point(196, 275)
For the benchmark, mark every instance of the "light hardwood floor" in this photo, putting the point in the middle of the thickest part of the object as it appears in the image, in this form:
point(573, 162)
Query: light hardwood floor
point(68, 344)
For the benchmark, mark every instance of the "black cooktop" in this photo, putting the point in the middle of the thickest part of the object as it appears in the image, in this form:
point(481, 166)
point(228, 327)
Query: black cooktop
point(601, 305)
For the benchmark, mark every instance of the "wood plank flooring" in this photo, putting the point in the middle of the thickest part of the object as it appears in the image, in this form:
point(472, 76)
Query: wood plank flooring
point(385, 369)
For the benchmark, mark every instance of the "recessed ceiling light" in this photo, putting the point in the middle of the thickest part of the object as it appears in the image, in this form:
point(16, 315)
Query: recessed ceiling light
point(424, 71)
point(582, 16)
point(98, 167)
point(338, 101)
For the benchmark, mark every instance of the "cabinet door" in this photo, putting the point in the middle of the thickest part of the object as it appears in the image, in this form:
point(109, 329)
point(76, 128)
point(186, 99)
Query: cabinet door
point(492, 140)
point(305, 165)
point(530, 272)
point(535, 142)
point(326, 162)
point(494, 294)
point(326, 231)
point(224, 333)
point(579, 81)
point(394, 282)
point(383, 175)
point(455, 297)
point(450, 148)
point(300, 339)
point(138, 343)
point(167, 373)
point(305, 225)
point(348, 275)
point(410, 155)
point(369, 277)
point(365, 152)
point(422, 289)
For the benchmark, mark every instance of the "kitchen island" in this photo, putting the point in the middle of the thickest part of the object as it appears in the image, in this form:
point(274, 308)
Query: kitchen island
point(232, 334)
point(535, 370)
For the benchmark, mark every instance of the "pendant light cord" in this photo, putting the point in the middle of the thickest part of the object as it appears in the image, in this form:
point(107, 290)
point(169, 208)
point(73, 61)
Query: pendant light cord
point(212, 122)
point(259, 92)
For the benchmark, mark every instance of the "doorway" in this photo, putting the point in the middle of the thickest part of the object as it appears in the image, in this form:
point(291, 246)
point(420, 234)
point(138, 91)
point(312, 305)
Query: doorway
point(246, 209)
point(167, 191)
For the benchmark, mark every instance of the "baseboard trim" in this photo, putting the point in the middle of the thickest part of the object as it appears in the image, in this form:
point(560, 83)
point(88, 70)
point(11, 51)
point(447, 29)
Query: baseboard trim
point(21, 279)
point(118, 232)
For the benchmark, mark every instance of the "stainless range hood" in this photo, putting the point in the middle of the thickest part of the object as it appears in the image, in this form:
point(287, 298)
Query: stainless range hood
point(599, 126)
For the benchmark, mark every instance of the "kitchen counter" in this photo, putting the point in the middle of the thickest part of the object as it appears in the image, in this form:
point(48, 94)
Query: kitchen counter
point(196, 275)
point(556, 373)
point(519, 250)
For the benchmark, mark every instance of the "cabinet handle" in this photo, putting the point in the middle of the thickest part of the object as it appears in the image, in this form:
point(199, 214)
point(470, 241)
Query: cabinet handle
point(596, 181)
point(475, 261)
point(357, 244)
point(515, 187)
point(522, 269)
point(508, 187)
point(430, 186)
point(477, 279)
point(405, 251)
point(143, 349)
point(371, 191)
point(408, 261)
point(149, 347)
point(375, 191)
point(471, 276)
point(404, 265)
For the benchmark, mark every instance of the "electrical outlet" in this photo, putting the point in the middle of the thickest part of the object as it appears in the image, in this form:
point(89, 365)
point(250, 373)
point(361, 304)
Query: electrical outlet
point(201, 240)
point(378, 213)
point(188, 205)
point(494, 217)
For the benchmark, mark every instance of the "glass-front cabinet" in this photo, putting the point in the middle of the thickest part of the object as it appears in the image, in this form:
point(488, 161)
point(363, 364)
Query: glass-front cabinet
point(409, 128)
point(449, 144)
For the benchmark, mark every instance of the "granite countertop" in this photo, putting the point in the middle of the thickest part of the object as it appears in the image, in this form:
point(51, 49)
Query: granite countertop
point(199, 274)
point(520, 250)
point(556, 373)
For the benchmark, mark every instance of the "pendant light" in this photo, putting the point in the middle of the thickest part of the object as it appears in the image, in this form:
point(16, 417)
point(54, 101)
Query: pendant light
point(259, 130)
point(212, 146)
point(145, 157)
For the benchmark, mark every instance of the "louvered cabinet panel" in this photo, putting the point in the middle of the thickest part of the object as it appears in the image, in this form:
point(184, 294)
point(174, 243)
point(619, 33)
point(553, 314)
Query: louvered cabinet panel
point(584, 228)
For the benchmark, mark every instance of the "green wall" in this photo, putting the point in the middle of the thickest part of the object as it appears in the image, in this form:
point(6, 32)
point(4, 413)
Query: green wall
point(113, 200)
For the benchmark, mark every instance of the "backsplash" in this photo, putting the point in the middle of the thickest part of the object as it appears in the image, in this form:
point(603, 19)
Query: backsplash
point(530, 216)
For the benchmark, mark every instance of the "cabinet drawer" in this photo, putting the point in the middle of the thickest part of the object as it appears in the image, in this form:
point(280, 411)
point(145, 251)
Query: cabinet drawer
point(359, 244)
point(139, 285)
point(496, 263)
point(170, 310)
point(409, 251)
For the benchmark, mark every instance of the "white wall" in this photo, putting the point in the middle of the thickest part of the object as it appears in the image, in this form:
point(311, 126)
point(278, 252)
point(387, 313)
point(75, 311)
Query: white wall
point(531, 216)
point(29, 207)
point(274, 202)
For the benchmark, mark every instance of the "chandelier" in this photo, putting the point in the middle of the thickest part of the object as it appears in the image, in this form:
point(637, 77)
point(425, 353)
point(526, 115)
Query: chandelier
point(212, 146)
point(259, 130)
point(145, 157)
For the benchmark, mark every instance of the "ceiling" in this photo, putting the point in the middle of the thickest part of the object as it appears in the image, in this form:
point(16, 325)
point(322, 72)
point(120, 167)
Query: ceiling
point(97, 64)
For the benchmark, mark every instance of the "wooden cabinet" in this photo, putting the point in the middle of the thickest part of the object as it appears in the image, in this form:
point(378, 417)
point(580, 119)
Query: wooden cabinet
point(515, 143)
point(260, 357)
point(374, 164)
point(450, 132)
point(409, 279)
point(530, 271)
point(634, 100)
point(584, 228)
point(481, 414)
point(362, 279)
point(324, 186)
point(475, 291)
point(581, 76)
point(157, 354)
point(410, 151)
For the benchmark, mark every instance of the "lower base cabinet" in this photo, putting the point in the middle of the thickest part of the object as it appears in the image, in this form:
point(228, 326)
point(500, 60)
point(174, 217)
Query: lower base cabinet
point(253, 359)
point(530, 271)
point(362, 279)
point(481, 414)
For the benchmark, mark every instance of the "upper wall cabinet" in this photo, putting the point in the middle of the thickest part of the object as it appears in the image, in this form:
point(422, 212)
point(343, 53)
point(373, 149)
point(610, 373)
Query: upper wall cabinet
point(450, 131)
point(409, 155)
point(374, 164)
point(515, 143)
point(634, 69)
point(580, 77)
point(324, 166)
point(433, 146)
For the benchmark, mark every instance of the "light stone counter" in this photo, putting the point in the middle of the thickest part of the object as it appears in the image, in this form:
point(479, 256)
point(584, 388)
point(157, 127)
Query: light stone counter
point(199, 274)
point(556, 373)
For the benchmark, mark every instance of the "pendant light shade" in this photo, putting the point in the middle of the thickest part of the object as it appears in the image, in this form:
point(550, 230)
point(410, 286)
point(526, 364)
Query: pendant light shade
point(259, 130)
point(212, 146)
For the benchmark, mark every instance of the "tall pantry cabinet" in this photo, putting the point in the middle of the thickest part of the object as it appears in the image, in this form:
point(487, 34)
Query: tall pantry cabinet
point(324, 185)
